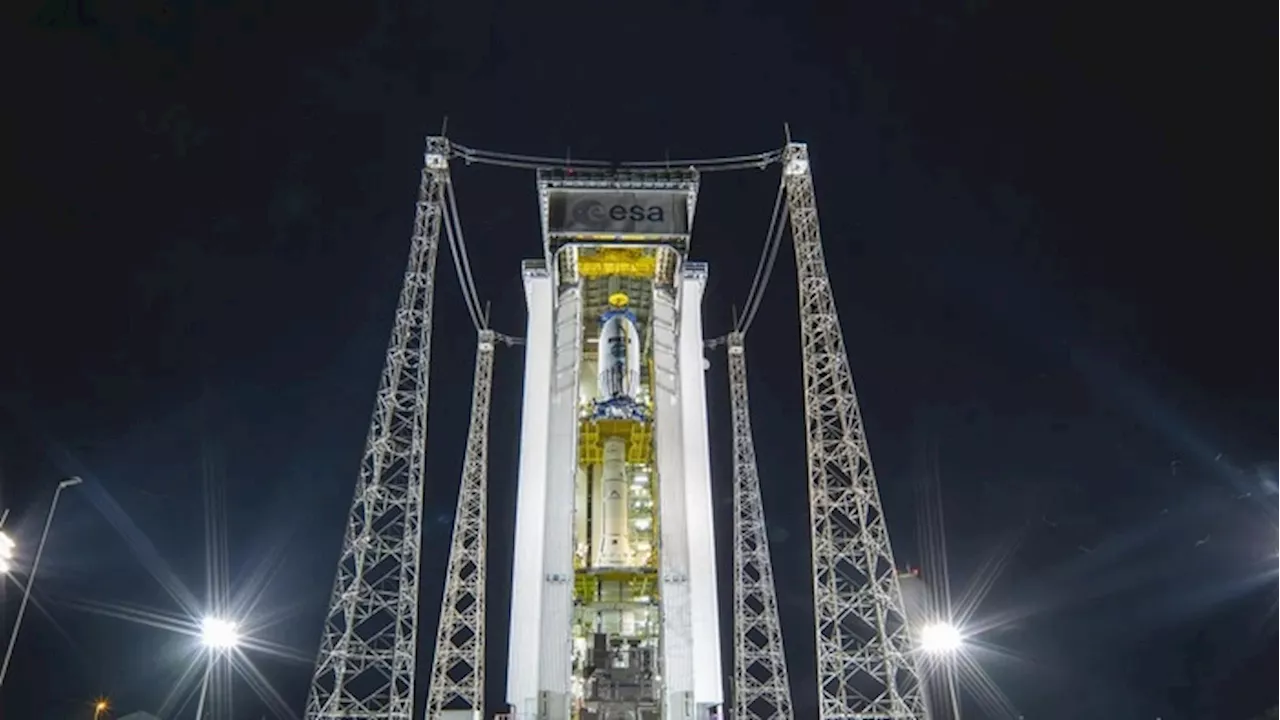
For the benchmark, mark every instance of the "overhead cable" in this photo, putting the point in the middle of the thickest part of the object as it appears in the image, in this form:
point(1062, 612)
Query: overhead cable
point(768, 255)
point(473, 306)
point(531, 162)
point(470, 285)
point(493, 157)
point(753, 160)
point(462, 265)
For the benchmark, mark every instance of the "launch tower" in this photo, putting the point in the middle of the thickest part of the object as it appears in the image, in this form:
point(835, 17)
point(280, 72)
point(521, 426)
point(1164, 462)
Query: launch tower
point(613, 611)
point(614, 596)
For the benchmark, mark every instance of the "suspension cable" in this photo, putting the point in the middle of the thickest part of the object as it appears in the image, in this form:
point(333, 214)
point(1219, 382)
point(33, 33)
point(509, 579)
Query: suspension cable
point(458, 245)
point(531, 162)
point(456, 253)
point(493, 157)
point(768, 254)
point(737, 161)
point(470, 282)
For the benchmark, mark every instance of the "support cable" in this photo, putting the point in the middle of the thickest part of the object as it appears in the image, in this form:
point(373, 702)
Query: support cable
point(456, 253)
point(531, 162)
point(515, 160)
point(462, 264)
point(753, 160)
point(459, 243)
point(768, 256)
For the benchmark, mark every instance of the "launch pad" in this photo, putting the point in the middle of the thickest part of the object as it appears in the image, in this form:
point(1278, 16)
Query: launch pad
point(614, 609)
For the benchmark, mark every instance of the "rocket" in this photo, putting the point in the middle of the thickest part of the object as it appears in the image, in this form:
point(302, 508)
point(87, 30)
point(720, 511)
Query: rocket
point(618, 353)
point(615, 549)
point(618, 383)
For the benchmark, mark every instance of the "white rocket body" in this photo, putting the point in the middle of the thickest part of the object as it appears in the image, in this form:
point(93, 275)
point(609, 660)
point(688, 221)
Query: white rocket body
point(618, 350)
point(615, 551)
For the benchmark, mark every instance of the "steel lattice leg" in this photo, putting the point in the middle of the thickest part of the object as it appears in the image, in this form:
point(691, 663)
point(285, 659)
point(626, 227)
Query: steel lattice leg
point(365, 667)
point(761, 690)
point(864, 667)
point(457, 670)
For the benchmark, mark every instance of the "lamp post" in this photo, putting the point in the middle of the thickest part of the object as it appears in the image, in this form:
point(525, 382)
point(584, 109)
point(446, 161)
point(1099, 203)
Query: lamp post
point(944, 640)
point(218, 636)
point(31, 577)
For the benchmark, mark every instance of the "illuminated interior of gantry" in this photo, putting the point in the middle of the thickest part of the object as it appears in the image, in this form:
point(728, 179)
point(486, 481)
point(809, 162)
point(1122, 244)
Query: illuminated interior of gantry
point(614, 502)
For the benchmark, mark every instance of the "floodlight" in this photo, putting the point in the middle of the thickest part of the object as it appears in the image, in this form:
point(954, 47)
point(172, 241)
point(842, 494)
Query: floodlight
point(940, 638)
point(6, 553)
point(219, 634)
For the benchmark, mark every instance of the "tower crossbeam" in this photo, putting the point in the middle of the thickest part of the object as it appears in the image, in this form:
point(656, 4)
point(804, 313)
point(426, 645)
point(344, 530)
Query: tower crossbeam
point(365, 668)
point(761, 690)
point(457, 668)
point(864, 669)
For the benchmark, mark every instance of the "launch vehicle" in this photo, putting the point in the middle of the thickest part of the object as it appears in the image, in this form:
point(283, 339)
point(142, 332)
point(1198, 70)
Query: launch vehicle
point(613, 613)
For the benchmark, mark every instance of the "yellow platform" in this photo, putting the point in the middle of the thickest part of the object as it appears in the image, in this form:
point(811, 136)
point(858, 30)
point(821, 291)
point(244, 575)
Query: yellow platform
point(621, 262)
point(637, 433)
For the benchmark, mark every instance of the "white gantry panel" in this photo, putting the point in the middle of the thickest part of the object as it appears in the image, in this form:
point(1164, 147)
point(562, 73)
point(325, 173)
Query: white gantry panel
point(531, 494)
point(555, 644)
point(677, 616)
point(704, 609)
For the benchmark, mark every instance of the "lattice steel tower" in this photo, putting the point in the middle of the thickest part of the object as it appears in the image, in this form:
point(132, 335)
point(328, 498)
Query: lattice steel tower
point(761, 690)
point(457, 668)
point(365, 667)
point(864, 669)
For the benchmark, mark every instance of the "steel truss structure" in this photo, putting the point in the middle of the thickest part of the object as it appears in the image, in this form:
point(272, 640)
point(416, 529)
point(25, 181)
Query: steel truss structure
point(761, 690)
point(366, 664)
point(365, 668)
point(457, 668)
point(864, 667)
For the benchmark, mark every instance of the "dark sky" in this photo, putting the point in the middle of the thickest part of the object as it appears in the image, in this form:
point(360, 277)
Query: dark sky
point(1048, 225)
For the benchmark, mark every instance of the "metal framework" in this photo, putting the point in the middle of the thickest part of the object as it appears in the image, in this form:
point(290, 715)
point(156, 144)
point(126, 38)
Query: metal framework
point(365, 667)
point(864, 669)
point(761, 690)
point(457, 668)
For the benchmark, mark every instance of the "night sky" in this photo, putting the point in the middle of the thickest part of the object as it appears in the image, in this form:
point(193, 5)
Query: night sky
point(1048, 225)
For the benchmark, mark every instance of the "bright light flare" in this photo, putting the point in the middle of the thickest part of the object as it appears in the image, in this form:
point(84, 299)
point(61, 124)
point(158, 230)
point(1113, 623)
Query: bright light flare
point(940, 638)
point(6, 553)
point(219, 634)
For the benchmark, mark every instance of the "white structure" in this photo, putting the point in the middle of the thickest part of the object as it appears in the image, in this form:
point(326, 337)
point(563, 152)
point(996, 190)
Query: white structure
point(613, 611)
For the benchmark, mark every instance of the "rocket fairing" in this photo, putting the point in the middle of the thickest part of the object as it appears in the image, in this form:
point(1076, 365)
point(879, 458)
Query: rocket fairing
point(618, 353)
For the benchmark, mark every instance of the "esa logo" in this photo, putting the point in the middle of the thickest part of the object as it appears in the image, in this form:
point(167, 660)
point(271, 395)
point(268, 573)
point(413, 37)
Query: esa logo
point(637, 213)
point(595, 214)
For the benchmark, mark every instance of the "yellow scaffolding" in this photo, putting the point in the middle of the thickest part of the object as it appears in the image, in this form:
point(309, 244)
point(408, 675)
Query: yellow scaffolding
point(622, 262)
point(639, 582)
point(637, 433)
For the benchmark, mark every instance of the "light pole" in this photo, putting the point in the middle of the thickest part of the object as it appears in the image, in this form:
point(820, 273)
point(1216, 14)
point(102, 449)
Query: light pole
point(944, 640)
point(218, 636)
point(31, 577)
